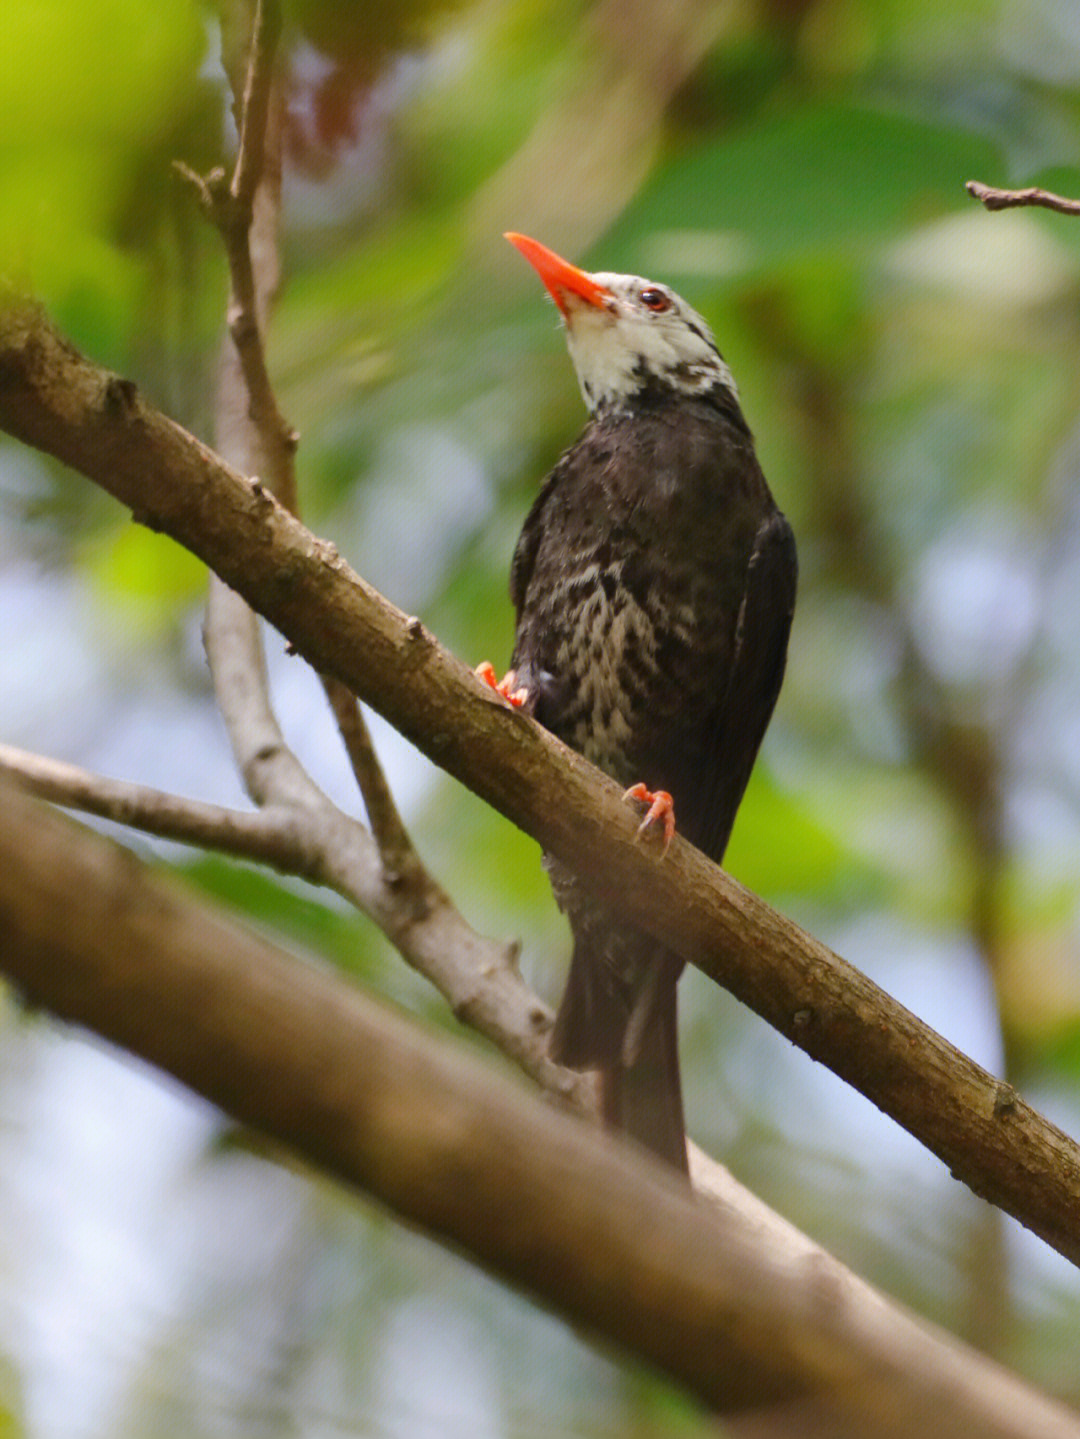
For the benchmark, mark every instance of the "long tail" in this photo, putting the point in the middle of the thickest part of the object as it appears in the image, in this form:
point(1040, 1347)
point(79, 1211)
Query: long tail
point(630, 1036)
point(644, 1098)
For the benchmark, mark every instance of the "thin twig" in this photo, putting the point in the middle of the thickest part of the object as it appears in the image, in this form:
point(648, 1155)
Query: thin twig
point(271, 772)
point(382, 876)
point(398, 854)
point(239, 207)
point(271, 836)
point(995, 199)
point(255, 112)
point(379, 872)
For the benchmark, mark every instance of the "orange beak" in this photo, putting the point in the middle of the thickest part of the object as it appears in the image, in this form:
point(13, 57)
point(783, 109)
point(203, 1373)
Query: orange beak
point(559, 276)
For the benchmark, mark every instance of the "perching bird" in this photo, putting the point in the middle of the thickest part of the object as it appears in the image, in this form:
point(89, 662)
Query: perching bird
point(654, 583)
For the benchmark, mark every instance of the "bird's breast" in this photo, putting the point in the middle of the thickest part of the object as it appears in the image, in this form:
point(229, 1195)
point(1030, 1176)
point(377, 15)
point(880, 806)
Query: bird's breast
point(613, 658)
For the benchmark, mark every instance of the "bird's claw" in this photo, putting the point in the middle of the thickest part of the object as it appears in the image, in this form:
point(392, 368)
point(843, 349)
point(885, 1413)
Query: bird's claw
point(513, 693)
point(661, 809)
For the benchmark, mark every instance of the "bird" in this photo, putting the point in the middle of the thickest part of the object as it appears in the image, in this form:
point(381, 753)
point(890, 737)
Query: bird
point(654, 585)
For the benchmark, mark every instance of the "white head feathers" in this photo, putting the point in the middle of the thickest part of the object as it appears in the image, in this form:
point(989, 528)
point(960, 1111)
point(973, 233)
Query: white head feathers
point(642, 334)
point(628, 337)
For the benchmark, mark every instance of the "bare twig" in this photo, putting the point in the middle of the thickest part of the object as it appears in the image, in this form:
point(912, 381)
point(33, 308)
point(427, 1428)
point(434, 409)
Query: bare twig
point(255, 110)
point(239, 205)
point(995, 199)
point(735, 1306)
point(272, 836)
point(400, 858)
point(271, 772)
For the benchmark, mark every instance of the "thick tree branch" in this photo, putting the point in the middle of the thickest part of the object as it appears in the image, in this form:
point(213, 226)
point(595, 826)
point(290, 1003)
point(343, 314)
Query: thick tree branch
point(537, 1198)
point(53, 399)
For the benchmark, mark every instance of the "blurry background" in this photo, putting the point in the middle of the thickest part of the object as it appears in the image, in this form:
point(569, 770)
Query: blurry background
point(909, 364)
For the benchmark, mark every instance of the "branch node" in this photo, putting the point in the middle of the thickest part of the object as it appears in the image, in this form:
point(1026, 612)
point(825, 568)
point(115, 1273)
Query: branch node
point(212, 190)
point(539, 1018)
point(242, 325)
point(147, 519)
point(120, 394)
point(198, 184)
point(1005, 1100)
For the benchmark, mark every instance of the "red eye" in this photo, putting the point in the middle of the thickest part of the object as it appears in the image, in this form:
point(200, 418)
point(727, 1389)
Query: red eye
point(655, 300)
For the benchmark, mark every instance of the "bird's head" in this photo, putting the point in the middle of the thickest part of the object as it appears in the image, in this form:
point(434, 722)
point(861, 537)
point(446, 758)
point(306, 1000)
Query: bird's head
point(628, 337)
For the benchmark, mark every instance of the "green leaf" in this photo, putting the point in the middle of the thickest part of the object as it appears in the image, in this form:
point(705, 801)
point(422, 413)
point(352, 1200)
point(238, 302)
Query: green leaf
point(823, 177)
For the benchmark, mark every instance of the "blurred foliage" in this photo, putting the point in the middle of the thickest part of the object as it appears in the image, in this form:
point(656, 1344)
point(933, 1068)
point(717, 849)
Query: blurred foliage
point(909, 364)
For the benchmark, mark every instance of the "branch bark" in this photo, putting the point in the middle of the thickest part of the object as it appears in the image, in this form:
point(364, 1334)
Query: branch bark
point(52, 398)
point(536, 1197)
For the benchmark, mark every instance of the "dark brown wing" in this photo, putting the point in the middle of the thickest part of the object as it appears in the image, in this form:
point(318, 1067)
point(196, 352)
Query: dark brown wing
point(521, 566)
point(716, 761)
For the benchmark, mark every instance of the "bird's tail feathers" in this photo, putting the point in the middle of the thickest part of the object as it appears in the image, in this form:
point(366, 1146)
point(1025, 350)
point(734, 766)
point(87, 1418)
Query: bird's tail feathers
point(590, 1026)
point(633, 1043)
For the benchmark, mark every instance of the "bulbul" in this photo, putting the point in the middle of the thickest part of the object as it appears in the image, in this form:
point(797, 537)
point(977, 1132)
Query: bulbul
point(654, 585)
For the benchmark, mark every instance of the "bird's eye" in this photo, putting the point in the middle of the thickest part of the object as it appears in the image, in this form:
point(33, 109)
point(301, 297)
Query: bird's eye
point(655, 300)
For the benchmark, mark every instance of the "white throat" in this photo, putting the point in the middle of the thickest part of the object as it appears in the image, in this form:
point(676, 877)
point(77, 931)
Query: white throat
point(622, 349)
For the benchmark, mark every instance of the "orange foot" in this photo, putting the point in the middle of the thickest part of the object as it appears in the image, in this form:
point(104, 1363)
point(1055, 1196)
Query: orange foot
point(507, 687)
point(661, 808)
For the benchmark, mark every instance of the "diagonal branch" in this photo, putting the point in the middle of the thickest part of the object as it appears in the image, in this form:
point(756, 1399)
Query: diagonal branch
point(741, 1318)
point(479, 978)
point(52, 398)
point(402, 863)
